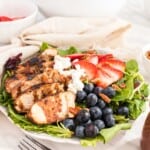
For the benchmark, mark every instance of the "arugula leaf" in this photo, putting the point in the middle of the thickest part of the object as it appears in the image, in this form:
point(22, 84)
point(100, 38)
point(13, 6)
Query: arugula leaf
point(71, 50)
point(109, 133)
point(132, 66)
point(136, 107)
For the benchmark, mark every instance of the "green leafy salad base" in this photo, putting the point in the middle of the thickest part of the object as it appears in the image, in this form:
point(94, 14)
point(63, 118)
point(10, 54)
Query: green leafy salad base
point(135, 98)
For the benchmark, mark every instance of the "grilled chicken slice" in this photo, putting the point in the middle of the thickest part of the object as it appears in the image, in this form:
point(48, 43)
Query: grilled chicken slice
point(52, 108)
point(20, 84)
point(24, 101)
point(28, 70)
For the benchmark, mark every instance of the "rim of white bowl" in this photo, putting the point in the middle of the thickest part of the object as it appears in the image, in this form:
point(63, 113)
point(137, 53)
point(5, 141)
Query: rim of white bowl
point(26, 17)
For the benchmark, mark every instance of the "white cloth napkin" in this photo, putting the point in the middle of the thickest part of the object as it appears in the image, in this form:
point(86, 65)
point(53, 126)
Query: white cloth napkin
point(80, 32)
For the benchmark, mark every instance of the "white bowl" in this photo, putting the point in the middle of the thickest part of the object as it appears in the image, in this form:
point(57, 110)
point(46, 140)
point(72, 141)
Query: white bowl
point(80, 7)
point(16, 8)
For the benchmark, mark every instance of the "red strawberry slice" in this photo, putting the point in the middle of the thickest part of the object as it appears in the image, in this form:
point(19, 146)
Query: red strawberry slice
point(103, 79)
point(107, 75)
point(113, 73)
point(117, 64)
point(89, 68)
point(4, 18)
point(93, 59)
point(104, 57)
point(76, 56)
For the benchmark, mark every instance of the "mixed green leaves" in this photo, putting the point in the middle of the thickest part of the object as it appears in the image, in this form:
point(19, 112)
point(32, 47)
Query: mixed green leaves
point(135, 92)
point(133, 97)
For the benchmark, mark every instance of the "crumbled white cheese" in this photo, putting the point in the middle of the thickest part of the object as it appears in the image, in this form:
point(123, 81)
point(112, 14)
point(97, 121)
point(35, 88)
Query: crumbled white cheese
point(61, 63)
point(76, 84)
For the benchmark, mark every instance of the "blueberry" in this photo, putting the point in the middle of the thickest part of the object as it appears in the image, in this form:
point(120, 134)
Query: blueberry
point(79, 131)
point(82, 117)
point(88, 87)
point(88, 122)
point(109, 91)
point(107, 111)
point(97, 90)
point(99, 123)
point(80, 96)
point(95, 113)
point(109, 120)
point(123, 110)
point(91, 100)
point(69, 123)
point(91, 130)
point(101, 104)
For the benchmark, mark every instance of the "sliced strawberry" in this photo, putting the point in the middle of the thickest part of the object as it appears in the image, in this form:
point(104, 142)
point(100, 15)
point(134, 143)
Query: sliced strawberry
point(104, 57)
point(93, 59)
point(102, 79)
point(113, 73)
point(75, 56)
point(4, 18)
point(117, 64)
point(90, 69)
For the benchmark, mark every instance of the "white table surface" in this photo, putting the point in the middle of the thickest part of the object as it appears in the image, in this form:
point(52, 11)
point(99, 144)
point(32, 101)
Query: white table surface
point(138, 36)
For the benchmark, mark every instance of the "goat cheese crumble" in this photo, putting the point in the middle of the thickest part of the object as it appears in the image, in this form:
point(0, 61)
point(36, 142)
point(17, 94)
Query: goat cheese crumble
point(61, 63)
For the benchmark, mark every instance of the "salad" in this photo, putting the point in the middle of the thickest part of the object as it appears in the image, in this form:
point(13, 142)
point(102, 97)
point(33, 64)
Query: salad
point(73, 94)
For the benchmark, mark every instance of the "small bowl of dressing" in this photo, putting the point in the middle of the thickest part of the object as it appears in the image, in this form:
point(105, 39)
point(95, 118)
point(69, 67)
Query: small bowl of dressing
point(145, 61)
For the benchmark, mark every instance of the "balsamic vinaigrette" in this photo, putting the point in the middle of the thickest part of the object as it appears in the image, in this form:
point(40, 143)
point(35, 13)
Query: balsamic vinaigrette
point(148, 54)
point(145, 141)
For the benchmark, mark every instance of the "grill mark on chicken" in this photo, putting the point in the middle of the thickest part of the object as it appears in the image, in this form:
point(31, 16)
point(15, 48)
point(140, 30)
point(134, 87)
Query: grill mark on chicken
point(53, 108)
point(25, 100)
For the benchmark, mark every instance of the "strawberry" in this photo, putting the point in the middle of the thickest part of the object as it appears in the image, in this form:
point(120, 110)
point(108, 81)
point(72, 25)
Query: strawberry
point(4, 18)
point(89, 68)
point(107, 75)
point(75, 56)
point(104, 57)
point(93, 59)
point(102, 78)
point(117, 64)
point(113, 73)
